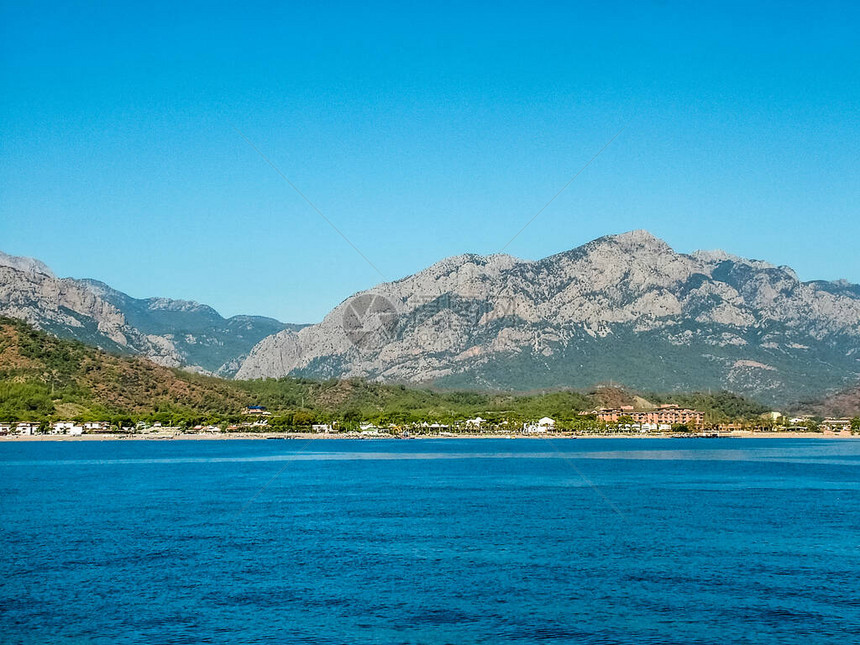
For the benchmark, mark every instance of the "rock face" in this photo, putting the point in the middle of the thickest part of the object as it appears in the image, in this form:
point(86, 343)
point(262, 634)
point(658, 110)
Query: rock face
point(174, 333)
point(625, 308)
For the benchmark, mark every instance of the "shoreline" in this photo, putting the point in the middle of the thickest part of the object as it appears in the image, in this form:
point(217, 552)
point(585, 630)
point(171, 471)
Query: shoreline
point(344, 437)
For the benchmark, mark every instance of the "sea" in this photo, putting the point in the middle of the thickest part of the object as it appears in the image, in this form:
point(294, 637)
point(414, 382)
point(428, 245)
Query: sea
point(431, 541)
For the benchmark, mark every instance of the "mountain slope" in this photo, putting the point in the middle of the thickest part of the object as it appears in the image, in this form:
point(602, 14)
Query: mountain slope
point(43, 377)
point(170, 332)
point(625, 308)
point(68, 309)
point(844, 403)
point(199, 333)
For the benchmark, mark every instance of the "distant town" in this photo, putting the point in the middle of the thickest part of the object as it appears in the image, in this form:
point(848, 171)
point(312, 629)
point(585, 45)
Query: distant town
point(664, 420)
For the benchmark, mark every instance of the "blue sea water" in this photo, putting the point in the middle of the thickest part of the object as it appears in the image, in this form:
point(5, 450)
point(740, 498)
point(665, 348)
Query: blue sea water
point(425, 541)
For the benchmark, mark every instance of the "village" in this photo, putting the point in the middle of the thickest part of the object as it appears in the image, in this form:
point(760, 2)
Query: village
point(665, 420)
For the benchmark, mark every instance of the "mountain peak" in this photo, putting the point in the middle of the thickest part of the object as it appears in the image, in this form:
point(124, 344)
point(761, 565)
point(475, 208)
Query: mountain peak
point(639, 236)
point(639, 239)
point(623, 307)
point(27, 265)
point(718, 255)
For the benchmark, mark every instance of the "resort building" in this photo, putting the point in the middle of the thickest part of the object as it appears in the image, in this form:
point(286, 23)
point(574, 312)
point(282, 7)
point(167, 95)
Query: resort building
point(256, 409)
point(665, 415)
point(836, 425)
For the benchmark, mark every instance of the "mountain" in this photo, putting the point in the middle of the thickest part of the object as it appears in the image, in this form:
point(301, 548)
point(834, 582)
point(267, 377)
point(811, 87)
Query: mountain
point(623, 308)
point(844, 403)
point(200, 335)
point(170, 332)
point(43, 377)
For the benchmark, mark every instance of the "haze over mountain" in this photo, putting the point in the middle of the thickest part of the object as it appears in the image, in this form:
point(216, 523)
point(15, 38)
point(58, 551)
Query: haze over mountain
point(623, 308)
point(174, 333)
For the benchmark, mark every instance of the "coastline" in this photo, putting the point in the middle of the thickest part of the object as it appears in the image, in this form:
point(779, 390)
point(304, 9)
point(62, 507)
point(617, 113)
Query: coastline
point(344, 437)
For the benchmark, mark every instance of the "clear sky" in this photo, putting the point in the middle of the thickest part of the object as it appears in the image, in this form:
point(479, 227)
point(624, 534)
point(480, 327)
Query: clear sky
point(420, 131)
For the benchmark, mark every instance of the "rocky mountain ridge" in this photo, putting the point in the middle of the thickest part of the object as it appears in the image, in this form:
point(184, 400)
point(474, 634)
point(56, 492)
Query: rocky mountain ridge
point(624, 307)
point(173, 333)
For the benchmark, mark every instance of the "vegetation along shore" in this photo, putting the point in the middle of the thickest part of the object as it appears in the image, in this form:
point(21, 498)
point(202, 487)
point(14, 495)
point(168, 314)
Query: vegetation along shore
point(56, 387)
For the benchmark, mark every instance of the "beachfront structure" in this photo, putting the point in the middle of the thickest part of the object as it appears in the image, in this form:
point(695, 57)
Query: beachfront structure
point(543, 426)
point(96, 426)
point(256, 409)
point(475, 424)
point(322, 428)
point(67, 427)
point(61, 427)
point(5, 428)
point(665, 415)
point(831, 424)
point(27, 428)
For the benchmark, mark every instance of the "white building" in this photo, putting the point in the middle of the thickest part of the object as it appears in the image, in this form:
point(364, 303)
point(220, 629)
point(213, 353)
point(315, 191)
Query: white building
point(547, 423)
point(475, 423)
point(67, 427)
point(27, 428)
point(322, 428)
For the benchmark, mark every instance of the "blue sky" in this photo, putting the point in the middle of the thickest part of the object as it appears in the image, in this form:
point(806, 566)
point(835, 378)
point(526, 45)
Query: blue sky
point(420, 131)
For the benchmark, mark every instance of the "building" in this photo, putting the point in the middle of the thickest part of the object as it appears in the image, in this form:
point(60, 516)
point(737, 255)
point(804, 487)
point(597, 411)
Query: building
point(27, 428)
point(665, 415)
point(836, 425)
point(96, 426)
point(67, 427)
point(256, 409)
point(543, 426)
point(475, 424)
point(322, 428)
point(547, 423)
point(5, 428)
